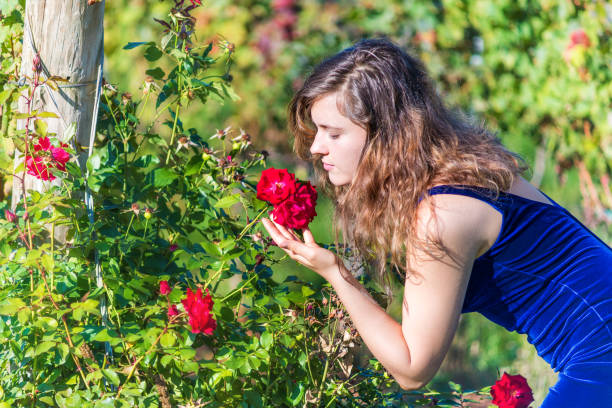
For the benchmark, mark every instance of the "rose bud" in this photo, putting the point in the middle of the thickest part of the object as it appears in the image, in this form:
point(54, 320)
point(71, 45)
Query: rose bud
point(164, 288)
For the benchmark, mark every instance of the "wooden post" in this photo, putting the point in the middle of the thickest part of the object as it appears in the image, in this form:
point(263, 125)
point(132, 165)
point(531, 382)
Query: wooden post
point(68, 35)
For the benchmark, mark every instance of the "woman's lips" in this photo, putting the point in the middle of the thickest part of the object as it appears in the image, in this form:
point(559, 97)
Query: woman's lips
point(327, 167)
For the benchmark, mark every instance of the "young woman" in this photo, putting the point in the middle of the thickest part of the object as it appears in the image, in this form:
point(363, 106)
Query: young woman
point(441, 199)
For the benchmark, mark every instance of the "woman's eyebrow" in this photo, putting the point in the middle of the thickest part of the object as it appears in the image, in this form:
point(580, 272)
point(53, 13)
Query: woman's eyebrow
point(327, 127)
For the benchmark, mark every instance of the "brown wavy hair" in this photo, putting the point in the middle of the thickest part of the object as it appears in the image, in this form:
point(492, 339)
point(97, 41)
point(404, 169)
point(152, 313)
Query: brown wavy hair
point(413, 143)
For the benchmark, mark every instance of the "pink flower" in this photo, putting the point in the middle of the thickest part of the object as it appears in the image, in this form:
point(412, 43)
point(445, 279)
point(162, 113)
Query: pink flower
point(511, 391)
point(10, 216)
point(275, 185)
point(164, 288)
point(199, 310)
point(172, 311)
point(173, 247)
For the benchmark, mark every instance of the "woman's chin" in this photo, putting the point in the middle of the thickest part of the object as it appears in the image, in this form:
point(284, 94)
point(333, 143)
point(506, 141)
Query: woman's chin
point(338, 181)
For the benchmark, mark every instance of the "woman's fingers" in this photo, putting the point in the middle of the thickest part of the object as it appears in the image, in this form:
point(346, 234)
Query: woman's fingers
point(284, 232)
point(275, 234)
point(308, 238)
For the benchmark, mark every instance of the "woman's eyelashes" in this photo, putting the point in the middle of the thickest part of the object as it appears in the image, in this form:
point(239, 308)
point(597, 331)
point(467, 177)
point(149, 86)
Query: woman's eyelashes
point(334, 137)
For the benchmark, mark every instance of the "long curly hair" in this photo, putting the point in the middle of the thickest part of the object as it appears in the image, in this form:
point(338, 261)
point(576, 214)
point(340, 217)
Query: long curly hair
point(413, 143)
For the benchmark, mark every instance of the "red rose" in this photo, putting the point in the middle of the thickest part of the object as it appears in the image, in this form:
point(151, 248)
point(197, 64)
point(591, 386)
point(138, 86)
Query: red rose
point(173, 311)
point(164, 288)
point(61, 157)
point(579, 37)
point(275, 185)
point(47, 156)
point(511, 391)
point(198, 308)
point(298, 210)
point(38, 168)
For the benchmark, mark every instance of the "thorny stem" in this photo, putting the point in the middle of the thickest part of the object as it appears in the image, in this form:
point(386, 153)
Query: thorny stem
point(240, 289)
point(176, 114)
point(327, 360)
point(133, 369)
point(68, 337)
point(27, 150)
point(129, 225)
point(209, 281)
point(249, 225)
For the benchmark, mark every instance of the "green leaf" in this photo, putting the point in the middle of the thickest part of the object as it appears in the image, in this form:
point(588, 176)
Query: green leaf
point(11, 306)
point(45, 115)
point(454, 386)
point(194, 165)
point(41, 127)
point(44, 347)
point(4, 95)
point(156, 73)
point(131, 45)
point(163, 177)
point(253, 399)
point(266, 340)
point(228, 201)
point(296, 393)
point(168, 339)
point(307, 291)
point(110, 375)
point(166, 40)
point(153, 53)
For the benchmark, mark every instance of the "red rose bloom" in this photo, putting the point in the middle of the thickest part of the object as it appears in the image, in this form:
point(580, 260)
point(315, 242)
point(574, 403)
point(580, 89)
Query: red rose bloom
point(198, 308)
point(275, 185)
point(46, 156)
point(173, 311)
point(164, 288)
point(579, 37)
point(298, 210)
point(511, 391)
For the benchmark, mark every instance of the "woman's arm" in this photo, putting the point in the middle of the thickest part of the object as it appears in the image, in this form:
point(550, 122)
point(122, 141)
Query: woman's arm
point(413, 350)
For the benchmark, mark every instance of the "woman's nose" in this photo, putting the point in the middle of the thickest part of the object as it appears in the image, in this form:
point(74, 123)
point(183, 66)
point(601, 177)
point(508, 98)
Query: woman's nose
point(318, 147)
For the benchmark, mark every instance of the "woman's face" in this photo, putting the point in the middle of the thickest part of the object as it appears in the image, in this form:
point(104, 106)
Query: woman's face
point(339, 141)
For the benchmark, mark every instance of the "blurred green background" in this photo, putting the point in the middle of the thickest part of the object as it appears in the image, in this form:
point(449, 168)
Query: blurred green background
point(538, 73)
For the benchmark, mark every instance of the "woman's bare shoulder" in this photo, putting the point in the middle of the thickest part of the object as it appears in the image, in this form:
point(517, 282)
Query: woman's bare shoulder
point(454, 217)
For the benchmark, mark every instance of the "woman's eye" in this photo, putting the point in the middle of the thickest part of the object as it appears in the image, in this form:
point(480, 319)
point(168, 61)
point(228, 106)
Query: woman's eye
point(334, 136)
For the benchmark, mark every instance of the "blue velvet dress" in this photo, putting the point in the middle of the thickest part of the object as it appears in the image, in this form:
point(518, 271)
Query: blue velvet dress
point(549, 277)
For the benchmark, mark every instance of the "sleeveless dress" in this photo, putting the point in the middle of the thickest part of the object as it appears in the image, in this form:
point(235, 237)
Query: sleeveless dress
point(549, 277)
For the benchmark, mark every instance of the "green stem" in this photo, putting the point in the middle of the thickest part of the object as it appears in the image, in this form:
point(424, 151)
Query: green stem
point(144, 104)
point(232, 293)
point(209, 281)
point(125, 166)
point(131, 373)
point(178, 108)
point(145, 230)
point(326, 362)
point(129, 225)
point(250, 224)
point(52, 274)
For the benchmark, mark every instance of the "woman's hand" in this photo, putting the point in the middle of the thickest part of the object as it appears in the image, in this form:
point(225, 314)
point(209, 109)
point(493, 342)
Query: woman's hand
point(307, 253)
